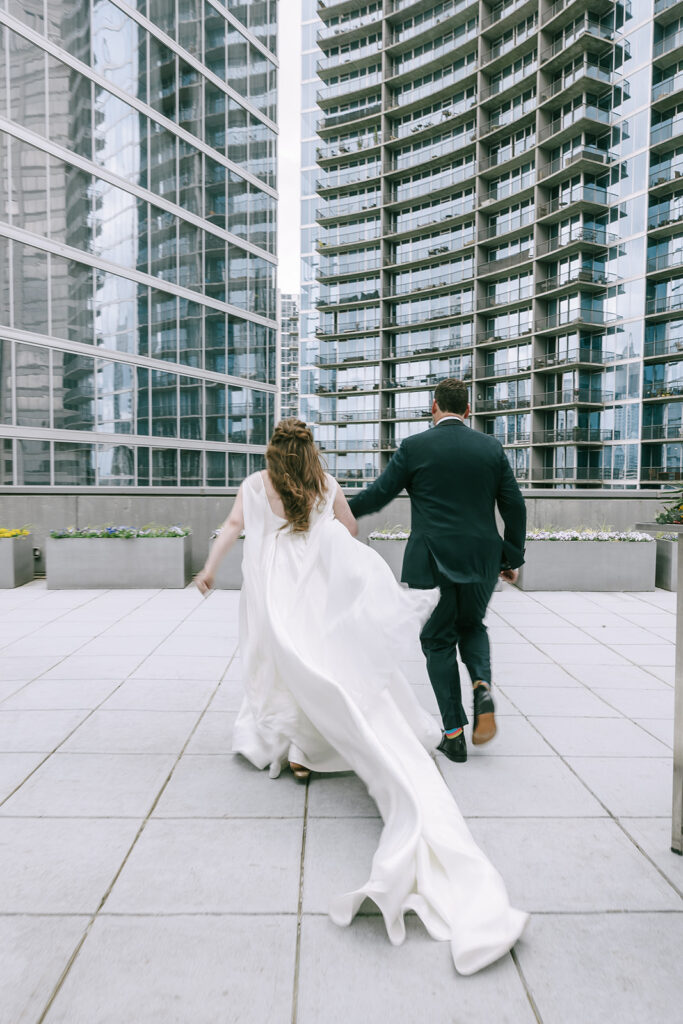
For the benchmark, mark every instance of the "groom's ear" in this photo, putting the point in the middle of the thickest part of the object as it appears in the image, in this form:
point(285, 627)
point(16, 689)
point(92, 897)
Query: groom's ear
point(435, 408)
point(467, 412)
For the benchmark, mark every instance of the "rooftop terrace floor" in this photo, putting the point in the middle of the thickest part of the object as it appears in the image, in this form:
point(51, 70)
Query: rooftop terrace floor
point(149, 875)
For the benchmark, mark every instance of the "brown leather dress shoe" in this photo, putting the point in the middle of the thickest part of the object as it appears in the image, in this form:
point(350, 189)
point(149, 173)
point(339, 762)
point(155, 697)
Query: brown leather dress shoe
point(484, 727)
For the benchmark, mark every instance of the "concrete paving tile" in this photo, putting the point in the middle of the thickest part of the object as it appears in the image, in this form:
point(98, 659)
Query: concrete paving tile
point(60, 865)
point(515, 736)
point(596, 618)
point(27, 668)
point(228, 696)
point(504, 634)
point(653, 704)
point(14, 768)
point(598, 968)
point(203, 970)
point(518, 787)
point(162, 695)
point(583, 654)
point(219, 629)
point(554, 634)
point(106, 645)
point(159, 666)
point(94, 667)
point(92, 786)
point(534, 675)
point(653, 836)
point(661, 728)
point(559, 701)
point(635, 787)
point(228, 786)
point(339, 852)
point(655, 655)
point(141, 626)
point(625, 635)
point(34, 951)
point(339, 796)
point(624, 677)
point(517, 654)
point(37, 645)
point(234, 670)
point(572, 864)
point(36, 730)
point(411, 983)
point(194, 866)
point(48, 694)
point(190, 646)
point(416, 672)
point(665, 632)
point(602, 737)
point(214, 734)
point(425, 695)
point(9, 686)
point(132, 732)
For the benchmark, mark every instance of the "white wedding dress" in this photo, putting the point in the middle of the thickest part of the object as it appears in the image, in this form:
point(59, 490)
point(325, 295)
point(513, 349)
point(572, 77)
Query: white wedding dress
point(323, 628)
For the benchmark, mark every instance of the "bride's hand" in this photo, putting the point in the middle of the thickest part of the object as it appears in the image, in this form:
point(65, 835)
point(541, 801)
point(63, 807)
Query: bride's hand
point(203, 581)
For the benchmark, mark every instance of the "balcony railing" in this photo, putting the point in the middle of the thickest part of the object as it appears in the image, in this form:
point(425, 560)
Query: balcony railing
point(436, 279)
point(503, 404)
point(575, 396)
point(577, 355)
point(330, 32)
point(580, 233)
point(447, 11)
point(337, 61)
point(578, 194)
point(584, 315)
point(572, 473)
point(665, 260)
point(583, 276)
point(348, 415)
point(436, 85)
point(662, 473)
point(664, 5)
point(671, 389)
point(348, 446)
point(663, 431)
point(667, 87)
point(501, 11)
point(506, 189)
point(344, 207)
point(587, 111)
point(672, 42)
point(571, 435)
point(348, 147)
point(343, 389)
point(590, 153)
point(587, 69)
point(347, 356)
point(587, 26)
point(664, 304)
point(514, 366)
point(357, 84)
point(663, 347)
point(665, 130)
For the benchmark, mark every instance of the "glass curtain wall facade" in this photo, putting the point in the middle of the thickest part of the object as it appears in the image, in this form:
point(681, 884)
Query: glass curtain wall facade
point(497, 202)
point(137, 241)
point(288, 324)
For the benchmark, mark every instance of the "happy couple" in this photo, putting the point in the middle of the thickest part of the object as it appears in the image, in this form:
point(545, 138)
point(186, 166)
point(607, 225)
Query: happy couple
point(324, 628)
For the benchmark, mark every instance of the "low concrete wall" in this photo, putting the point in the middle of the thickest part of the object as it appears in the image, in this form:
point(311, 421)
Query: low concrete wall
point(49, 510)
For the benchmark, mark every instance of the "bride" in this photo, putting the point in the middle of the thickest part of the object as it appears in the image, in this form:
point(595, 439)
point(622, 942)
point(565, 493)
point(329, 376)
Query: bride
point(323, 630)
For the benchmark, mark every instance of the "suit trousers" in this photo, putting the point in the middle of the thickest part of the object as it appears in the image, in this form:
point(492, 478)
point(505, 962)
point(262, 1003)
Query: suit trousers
point(457, 622)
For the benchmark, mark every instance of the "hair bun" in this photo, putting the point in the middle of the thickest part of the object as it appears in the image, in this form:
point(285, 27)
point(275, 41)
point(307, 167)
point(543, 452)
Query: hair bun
point(292, 430)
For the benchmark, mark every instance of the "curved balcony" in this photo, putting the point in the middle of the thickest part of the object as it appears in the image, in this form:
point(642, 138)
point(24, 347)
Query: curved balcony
point(349, 87)
point(659, 266)
point(584, 317)
point(348, 416)
point(440, 182)
point(349, 176)
point(579, 236)
point(574, 396)
point(411, 159)
point(502, 404)
point(348, 147)
point(428, 26)
point(498, 17)
point(566, 10)
point(441, 55)
point(442, 84)
point(663, 389)
point(663, 305)
point(429, 316)
point(357, 387)
point(513, 368)
point(667, 11)
point(572, 435)
point(507, 190)
point(348, 446)
point(415, 382)
point(669, 50)
point(522, 220)
point(574, 357)
point(510, 298)
point(369, 113)
point(432, 217)
point(573, 473)
point(586, 77)
point(433, 122)
point(438, 282)
point(578, 198)
point(667, 92)
point(497, 266)
point(508, 87)
point(662, 473)
point(586, 278)
point(361, 354)
point(498, 55)
point(345, 31)
point(584, 159)
point(351, 61)
point(347, 269)
point(586, 34)
point(348, 207)
point(586, 116)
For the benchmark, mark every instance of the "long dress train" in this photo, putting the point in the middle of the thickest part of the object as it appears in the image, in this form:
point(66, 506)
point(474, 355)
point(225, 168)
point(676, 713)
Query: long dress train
point(323, 628)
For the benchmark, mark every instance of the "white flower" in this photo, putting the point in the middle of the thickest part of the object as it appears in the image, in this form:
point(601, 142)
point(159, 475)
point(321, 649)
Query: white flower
point(631, 536)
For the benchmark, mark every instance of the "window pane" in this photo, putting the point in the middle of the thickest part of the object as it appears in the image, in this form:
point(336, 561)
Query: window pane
point(32, 386)
point(33, 462)
point(74, 464)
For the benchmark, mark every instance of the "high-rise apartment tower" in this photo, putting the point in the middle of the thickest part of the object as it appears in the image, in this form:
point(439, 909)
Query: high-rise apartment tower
point(499, 200)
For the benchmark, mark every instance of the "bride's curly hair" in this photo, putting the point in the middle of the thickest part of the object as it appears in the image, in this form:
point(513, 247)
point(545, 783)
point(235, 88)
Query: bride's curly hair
point(296, 471)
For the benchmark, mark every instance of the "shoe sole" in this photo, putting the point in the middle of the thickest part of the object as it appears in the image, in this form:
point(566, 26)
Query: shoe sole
point(486, 729)
point(458, 758)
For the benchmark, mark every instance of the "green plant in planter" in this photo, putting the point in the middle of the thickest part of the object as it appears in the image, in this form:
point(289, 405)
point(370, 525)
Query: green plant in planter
point(119, 532)
point(673, 511)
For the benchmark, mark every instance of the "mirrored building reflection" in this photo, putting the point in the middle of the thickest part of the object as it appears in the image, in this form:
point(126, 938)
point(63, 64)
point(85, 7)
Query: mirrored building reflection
point(137, 241)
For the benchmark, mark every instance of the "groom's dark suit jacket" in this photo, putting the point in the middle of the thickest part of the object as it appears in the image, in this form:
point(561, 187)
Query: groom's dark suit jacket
point(455, 477)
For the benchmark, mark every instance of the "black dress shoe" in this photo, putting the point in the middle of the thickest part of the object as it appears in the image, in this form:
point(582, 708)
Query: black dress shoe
point(484, 727)
point(455, 748)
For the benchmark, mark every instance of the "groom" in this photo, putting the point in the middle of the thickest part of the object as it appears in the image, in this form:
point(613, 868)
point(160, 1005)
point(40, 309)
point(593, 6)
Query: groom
point(455, 478)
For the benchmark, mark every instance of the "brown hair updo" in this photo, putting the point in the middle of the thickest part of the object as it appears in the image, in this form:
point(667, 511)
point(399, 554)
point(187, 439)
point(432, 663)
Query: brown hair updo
point(296, 471)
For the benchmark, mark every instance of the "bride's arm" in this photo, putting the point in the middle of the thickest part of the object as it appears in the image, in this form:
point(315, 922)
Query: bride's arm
point(343, 513)
point(230, 531)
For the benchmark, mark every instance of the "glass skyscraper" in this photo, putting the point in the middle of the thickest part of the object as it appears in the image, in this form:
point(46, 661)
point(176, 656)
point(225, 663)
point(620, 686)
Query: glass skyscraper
point(288, 328)
point(499, 201)
point(137, 241)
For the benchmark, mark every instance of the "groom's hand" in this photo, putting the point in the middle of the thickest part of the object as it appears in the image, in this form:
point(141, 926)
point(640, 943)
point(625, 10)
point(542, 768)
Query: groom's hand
point(510, 575)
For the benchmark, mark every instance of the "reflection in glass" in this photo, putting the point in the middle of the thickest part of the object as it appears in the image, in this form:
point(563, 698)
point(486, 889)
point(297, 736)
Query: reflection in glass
point(33, 463)
point(28, 199)
point(27, 83)
point(215, 401)
point(190, 333)
point(115, 465)
point(164, 467)
point(190, 468)
point(163, 328)
point(237, 468)
point(164, 404)
point(238, 423)
point(115, 383)
point(215, 469)
point(6, 462)
point(30, 289)
point(73, 381)
point(215, 342)
point(5, 381)
point(162, 79)
point(117, 135)
point(74, 464)
point(115, 46)
point(115, 312)
point(190, 408)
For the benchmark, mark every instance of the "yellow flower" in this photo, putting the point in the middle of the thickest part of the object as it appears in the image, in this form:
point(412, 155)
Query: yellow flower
point(7, 532)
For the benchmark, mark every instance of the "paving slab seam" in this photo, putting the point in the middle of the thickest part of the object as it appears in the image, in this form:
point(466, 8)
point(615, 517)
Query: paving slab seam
point(299, 909)
point(93, 917)
point(525, 985)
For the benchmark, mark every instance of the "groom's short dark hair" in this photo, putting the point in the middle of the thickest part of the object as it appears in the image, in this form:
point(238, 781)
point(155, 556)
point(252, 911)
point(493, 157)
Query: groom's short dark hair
point(451, 395)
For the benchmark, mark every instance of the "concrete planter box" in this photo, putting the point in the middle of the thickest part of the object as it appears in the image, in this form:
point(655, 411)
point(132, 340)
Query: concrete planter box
point(16, 562)
point(92, 563)
point(667, 564)
point(588, 565)
point(392, 551)
point(229, 572)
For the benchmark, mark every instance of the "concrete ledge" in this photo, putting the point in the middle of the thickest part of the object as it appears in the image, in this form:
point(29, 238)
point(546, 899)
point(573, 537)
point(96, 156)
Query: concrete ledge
point(83, 563)
point(588, 566)
point(667, 564)
point(16, 562)
point(229, 572)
